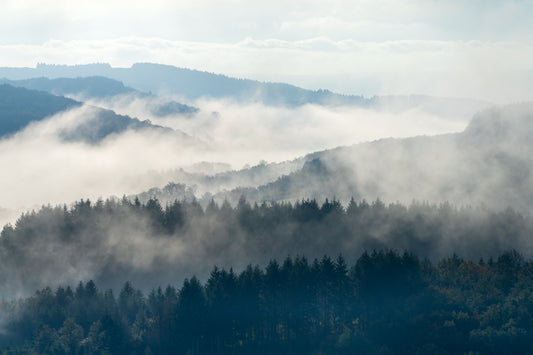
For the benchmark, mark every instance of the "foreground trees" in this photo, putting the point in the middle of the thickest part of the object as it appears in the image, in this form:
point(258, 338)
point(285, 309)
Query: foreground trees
point(385, 303)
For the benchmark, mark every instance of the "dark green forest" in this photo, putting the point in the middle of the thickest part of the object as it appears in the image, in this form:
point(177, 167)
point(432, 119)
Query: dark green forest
point(385, 303)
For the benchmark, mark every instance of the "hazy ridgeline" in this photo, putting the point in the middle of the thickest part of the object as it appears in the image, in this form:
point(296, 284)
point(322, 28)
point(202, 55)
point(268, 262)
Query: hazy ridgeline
point(188, 84)
point(488, 164)
point(149, 244)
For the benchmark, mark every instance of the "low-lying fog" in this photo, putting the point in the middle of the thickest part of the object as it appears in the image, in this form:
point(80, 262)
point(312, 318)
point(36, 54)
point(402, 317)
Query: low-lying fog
point(40, 168)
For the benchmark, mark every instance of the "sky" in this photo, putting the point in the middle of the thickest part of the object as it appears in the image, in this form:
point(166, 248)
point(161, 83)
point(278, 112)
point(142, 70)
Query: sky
point(477, 49)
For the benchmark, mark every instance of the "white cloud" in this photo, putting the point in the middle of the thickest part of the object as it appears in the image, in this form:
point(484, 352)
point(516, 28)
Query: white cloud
point(35, 21)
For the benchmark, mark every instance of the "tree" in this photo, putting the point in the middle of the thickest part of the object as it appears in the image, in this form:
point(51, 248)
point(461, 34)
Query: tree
point(71, 335)
point(192, 312)
point(47, 341)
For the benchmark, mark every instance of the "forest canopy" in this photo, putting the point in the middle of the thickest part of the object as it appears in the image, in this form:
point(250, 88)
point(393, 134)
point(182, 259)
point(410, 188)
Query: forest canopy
point(385, 303)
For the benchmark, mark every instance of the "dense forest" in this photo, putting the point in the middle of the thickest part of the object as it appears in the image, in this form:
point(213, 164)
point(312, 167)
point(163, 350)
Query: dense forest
point(386, 303)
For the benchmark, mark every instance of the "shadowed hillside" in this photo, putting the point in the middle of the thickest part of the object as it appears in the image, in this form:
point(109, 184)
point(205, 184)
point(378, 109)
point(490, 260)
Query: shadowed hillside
point(19, 107)
point(101, 88)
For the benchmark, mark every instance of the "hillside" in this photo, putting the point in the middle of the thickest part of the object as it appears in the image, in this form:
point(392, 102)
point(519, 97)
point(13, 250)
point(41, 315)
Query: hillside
point(100, 88)
point(487, 164)
point(103, 123)
point(93, 86)
point(19, 107)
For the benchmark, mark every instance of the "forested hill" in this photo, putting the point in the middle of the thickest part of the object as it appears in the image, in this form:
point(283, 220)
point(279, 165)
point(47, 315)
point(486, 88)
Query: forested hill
point(19, 107)
point(94, 86)
point(100, 88)
point(150, 244)
point(101, 123)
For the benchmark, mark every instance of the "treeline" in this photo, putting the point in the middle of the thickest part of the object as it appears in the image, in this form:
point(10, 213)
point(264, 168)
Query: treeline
point(150, 244)
point(386, 303)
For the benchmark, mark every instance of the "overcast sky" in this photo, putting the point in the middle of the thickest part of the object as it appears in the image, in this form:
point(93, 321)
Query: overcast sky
point(478, 48)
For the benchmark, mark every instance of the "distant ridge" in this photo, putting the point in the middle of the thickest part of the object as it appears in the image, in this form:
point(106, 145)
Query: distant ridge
point(193, 84)
point(102, 88)
point(19, 107)
point(91, 86)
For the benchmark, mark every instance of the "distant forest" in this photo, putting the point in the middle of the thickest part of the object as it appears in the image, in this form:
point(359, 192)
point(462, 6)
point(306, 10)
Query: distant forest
point(386, 303)
point(149, 244)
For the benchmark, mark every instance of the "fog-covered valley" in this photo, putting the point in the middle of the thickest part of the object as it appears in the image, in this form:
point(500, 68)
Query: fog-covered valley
point(145, 141)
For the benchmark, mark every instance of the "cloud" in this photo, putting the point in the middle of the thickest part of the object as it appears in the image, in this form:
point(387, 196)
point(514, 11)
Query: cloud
point(228, 21)
point(255, 132)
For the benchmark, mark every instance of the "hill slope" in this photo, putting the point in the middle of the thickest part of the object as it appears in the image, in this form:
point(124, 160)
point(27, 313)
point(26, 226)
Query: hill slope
point(19, 107)
point(488, 164)
point(101, 88)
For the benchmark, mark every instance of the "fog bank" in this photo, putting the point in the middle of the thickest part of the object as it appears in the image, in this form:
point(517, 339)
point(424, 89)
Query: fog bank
point(43, 168)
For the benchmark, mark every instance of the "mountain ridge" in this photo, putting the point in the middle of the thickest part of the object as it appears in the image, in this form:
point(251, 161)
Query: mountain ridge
point(193, 84)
